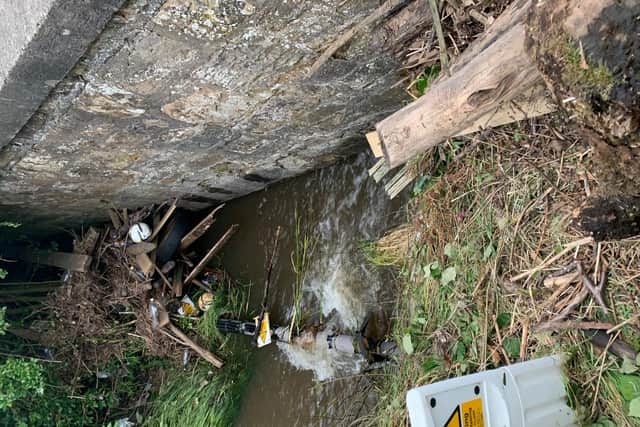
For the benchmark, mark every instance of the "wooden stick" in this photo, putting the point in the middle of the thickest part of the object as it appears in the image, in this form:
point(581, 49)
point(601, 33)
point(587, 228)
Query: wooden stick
point(163, 277)
point(374, 143)
point(199, 229)
point(203, 263)
point(557, 325)
point(524, 340)
point(65, 260)
point(386, 8)
point(626, 322)
point(177, 279)
point(437, 25)
point(204, 353)
point(164, 220)
point(568, 248)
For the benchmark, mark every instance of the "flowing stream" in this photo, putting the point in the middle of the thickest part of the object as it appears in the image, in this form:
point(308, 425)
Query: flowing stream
point(340, 206)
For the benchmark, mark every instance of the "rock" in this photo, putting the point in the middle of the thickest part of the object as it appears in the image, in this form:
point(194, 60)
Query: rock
point(156, 109)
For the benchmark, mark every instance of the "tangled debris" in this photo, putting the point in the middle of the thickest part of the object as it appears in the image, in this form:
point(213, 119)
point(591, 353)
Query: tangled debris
point(97, 313)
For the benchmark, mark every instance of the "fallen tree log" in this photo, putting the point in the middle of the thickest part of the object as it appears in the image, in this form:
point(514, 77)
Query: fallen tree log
point(585, 51)
point(494, 70)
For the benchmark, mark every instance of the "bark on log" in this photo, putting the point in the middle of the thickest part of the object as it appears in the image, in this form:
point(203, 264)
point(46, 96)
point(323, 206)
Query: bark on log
point(494, 70)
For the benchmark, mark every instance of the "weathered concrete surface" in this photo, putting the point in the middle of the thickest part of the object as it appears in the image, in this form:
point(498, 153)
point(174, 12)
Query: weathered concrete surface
point(40, 41)
point(211, 102)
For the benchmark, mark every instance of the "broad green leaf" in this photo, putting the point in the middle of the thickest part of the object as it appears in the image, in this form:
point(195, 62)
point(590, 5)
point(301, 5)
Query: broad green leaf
point(430, 364)
point(435, 270)
point(420, 320)
point(503, 319)
point(634, 408)
point(407, 344)
point(419, 185)
point(512, 346)
point(627, 385)
point(628, 366)
point(448, 275)
point(460, 351)
point(489, 251)
point(450, 250)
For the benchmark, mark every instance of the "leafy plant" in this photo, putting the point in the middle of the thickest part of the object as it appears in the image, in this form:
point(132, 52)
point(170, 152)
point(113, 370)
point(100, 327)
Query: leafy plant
point(426, 78)
point(19, 379)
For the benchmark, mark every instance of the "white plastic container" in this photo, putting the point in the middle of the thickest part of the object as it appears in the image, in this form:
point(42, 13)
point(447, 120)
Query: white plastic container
point(528, 394)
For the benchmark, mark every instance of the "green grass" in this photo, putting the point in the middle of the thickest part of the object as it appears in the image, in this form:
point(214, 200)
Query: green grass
point(203, 396)
point(485, 219)
point(303, 251)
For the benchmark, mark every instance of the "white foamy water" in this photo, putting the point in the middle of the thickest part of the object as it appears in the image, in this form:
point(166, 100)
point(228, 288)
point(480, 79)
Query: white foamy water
point(339, 283)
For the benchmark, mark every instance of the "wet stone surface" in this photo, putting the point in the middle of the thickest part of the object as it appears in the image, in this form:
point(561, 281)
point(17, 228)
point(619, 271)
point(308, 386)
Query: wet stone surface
point(207, 99)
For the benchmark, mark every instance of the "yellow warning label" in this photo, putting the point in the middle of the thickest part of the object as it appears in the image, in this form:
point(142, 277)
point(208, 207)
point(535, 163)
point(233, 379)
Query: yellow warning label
point(469, 414)
point(454, 420)
point(472, 415)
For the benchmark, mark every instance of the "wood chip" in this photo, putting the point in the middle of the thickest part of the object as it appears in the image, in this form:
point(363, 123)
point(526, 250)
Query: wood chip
point(375, 144)
point(145, 264)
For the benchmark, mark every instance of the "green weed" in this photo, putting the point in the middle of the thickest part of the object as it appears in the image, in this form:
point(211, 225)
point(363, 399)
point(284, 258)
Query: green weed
point(303, 251)
point(481, 221)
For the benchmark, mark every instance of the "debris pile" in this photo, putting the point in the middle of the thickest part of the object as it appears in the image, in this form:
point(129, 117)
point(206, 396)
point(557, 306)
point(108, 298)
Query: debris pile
point(142, 280)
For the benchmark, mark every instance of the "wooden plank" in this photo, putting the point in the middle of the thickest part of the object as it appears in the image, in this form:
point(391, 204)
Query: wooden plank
point(157, 227)
point(65, 260)
point(199, 229)
point(145, 264)
point(375, 144)
point(203, 263)
point(532, 103)
point(141, 248)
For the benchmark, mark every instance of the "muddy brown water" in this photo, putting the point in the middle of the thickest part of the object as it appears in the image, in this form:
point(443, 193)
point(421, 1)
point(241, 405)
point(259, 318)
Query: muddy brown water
point(341, 206)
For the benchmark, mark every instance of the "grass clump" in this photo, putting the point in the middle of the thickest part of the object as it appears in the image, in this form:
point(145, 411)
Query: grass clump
point(497, 211)
point(391, 249)
point(201, 396)
point(304, 248)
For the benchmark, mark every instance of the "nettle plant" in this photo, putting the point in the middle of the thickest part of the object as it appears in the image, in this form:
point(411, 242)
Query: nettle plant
point(19, 378)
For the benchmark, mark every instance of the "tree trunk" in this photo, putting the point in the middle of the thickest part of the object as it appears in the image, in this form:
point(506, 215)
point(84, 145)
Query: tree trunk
point(492, 71)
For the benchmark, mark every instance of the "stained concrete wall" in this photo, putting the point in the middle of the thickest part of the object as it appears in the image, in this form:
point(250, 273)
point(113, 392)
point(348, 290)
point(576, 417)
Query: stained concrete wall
point(40, 41)
point(208, 100)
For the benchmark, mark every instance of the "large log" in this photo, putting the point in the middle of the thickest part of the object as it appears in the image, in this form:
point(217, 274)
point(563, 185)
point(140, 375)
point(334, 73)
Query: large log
point(494, 70)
